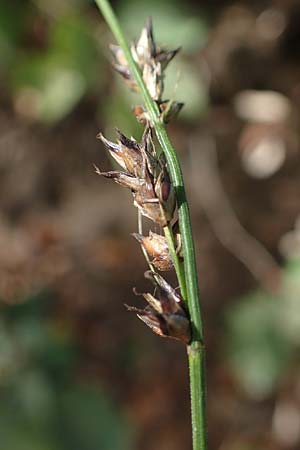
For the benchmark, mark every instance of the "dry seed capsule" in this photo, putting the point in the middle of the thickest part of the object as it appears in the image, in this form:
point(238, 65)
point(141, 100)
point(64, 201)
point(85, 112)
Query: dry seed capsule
point(157, 248)
point(165, 313)
point(166, 195)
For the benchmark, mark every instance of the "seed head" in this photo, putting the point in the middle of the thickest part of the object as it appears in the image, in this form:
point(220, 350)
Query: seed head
point(151, 59)
point(165, 313)
point(144, 175)
point(157, 248)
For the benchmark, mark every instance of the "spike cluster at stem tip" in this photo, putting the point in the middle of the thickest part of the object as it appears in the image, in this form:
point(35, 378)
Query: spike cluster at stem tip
point(145, 173)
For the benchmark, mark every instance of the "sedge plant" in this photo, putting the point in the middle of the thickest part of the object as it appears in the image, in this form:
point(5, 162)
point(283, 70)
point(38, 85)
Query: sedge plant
point(152, 171)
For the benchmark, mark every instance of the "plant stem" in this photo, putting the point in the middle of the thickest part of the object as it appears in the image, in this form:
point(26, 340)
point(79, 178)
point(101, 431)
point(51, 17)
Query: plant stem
point(176, 260)
point(188, 282)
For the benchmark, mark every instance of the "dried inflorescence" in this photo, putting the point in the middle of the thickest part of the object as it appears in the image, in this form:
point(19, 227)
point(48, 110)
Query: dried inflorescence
point(146, 176)
point(165, 313)
point(145, 173)
point(151, 59)
point(157, 249)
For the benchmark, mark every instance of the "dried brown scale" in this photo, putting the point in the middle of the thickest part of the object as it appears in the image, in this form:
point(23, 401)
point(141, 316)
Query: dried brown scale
point(165, 192)
point(165, 57)
point(134, 184)
point(153, 163)
point(148, 315)
point(166, 293)
point(169, 110)
point(162, 264)
point(157, 248)
point(155, 244)
point(165, 313)
point(126, 152)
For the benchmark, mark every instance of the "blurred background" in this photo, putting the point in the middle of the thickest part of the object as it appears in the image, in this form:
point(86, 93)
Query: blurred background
point(76, 370)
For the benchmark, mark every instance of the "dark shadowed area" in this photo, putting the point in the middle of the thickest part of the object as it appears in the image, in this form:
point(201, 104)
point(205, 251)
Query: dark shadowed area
point(77, 371)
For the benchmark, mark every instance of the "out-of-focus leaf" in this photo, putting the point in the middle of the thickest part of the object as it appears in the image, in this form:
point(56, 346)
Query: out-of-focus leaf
point(44, 344)
point(56, 8)
point(263, 331)
point(36, 397)
point(173, 26)
point(257, 350)
point(19, 434)
point(27, 331)
point(89, 421)
point(289, 315)
point(72, 38)
point(118, 107)
point(184, 84)
point(11, 26)
point(47, 86)
point(41, 406)
point(18, 438)
point(8, 355)
point(46, 89)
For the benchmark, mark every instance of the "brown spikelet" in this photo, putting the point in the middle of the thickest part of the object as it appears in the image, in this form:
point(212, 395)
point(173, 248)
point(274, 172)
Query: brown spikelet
point(165, 313)
point(145, 173)
point(157, 248)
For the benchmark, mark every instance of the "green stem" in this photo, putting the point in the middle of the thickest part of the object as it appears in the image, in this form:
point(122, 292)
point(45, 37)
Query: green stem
point(195, 349)
point(178, 264)
point(196, 356)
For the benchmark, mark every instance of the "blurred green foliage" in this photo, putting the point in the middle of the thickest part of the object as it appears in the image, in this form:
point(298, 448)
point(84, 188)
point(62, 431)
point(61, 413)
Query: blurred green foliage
point(49, 62)
point(42, 404)
point(52, 56)
point(264, 335)
point(191, 31)
point(61, 75)
point(11, 27)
